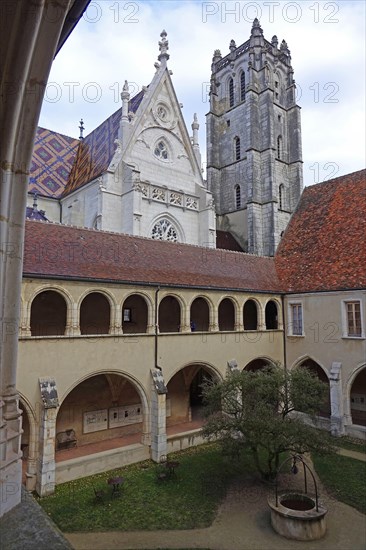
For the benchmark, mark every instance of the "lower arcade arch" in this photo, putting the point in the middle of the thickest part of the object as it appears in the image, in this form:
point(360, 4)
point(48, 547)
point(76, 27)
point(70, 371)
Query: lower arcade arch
point(184, 397)
point(316, 369)
point(99, 409)
point(358, 398)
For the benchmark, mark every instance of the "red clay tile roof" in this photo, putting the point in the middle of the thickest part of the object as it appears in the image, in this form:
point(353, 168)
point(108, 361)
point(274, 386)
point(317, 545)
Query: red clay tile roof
point(227, 241)
point(53, 157)
point(59, 251)
point(324, 245)
point(97, 149)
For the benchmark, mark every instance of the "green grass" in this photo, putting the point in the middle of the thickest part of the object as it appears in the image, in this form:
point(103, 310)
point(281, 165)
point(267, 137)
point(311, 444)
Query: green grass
point(352, 444)
point(188, 500)
point(344, 478)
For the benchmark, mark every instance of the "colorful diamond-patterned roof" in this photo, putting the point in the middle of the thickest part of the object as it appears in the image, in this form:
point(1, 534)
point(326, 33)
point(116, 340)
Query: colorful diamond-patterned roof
point(95, 153)
point(97, 149)
point(53, 157)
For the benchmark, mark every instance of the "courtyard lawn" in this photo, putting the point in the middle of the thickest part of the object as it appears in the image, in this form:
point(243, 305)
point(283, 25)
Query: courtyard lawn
point(344, 478)
point(188, 500)
point(352, 444)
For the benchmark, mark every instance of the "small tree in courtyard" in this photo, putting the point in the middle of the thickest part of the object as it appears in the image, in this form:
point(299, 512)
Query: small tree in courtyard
point(253, 410)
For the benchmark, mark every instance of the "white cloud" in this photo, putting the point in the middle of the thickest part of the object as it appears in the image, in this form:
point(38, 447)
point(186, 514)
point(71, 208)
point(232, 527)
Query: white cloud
point(326, 39)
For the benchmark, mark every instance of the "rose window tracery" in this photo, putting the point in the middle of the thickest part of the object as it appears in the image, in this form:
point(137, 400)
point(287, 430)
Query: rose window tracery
point(163, 230)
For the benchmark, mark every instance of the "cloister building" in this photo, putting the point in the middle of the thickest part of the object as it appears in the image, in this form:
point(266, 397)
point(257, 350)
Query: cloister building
point(122, 330)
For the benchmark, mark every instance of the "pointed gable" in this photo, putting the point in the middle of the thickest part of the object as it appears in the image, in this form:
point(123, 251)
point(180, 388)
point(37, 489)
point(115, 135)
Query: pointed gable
point(324, 246)
point(97, 149)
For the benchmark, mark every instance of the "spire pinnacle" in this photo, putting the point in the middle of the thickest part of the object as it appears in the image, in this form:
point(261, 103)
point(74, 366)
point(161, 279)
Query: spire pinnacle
point(256, 28)
point(35, 197)
point(81, 128)
point(163, 47)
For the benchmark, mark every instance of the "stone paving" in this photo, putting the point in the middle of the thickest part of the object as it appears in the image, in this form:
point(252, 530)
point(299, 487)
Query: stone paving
point(27, 527)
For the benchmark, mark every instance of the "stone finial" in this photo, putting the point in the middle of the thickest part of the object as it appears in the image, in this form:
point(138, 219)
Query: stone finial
point(256, 28)
point(284, 47)
point(81, 128)
point(232, 46)
point(125, 95)
point(216, 56)
point(163, 47)
point(274, 41)
point(195, 125)
point(35, 196)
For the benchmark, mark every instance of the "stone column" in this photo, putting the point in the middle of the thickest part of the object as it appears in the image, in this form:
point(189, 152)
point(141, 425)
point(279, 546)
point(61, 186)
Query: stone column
point(25, 328)
point(73, 325)
point(158, 416)
point(261, 318)
point(116, 320)
point(46, 466)
point(239, 324)
point(214, 320)
point(185, 319)
point(336, 400)
point(30, 34)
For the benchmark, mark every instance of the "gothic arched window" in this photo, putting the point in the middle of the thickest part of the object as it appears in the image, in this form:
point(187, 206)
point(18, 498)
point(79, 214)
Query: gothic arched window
point(237, 197)
point(281, 196)
point(231, 92)
point(242, 86)
point(163, 230)
point(237, 148)
point(279, 147)
point(161, 150)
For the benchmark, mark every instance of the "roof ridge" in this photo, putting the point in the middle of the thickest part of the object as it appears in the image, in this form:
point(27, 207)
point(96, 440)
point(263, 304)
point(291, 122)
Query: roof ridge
point(344, 176)
point(58, 133)
point(142, 238)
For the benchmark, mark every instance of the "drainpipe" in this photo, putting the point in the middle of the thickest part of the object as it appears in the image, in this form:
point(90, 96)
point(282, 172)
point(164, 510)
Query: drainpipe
point(284, 345)
point(284, 331)
point(156, 329)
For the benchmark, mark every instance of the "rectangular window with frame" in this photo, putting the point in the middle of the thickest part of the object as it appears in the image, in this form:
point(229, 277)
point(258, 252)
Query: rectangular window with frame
point(296, 319)
point(353, 318)
point(127, 317)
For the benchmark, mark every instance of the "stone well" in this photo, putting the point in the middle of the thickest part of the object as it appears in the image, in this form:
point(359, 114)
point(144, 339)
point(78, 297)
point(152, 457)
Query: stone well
point(296, 516)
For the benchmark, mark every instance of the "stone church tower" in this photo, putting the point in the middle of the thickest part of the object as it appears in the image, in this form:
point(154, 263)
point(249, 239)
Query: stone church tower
point(254, 157)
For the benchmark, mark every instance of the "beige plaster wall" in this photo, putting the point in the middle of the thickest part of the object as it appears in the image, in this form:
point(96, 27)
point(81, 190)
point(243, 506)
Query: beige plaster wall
point(71, 360)
point(324, 338)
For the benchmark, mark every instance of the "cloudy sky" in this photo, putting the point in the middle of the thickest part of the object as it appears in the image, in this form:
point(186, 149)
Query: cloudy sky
point(118, 40)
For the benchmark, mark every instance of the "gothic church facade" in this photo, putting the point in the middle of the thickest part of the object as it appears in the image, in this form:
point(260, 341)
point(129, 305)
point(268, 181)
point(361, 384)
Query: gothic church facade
point(140, 173)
